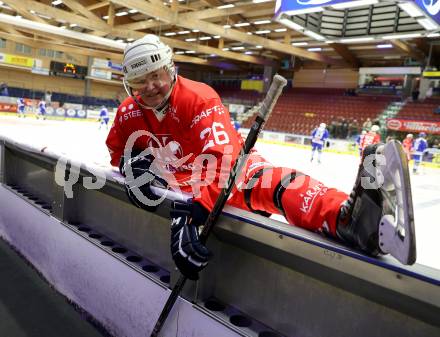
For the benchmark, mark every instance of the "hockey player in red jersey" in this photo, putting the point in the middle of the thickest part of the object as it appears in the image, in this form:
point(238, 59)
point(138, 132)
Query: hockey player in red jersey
point(371, 137)
point(176, 133)
point(408, 145)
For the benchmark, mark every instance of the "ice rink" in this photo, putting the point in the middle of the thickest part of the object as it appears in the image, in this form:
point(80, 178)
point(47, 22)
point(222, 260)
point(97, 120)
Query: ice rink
point(84, 142)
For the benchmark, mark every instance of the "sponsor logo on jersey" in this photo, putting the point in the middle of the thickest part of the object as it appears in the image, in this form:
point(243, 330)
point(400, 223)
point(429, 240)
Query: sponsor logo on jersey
point(220, 109)
point(173, 112)
point(310, 196)
point(169, 153)
point(130, 114)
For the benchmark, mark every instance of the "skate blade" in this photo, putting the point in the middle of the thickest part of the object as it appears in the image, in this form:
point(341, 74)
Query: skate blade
point(396, 229)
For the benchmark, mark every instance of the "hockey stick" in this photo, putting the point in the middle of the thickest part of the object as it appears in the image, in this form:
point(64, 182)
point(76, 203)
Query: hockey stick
point(269, 101)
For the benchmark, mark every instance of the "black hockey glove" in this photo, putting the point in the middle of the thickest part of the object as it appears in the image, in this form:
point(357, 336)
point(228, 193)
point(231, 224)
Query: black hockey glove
point(188, 253)
point(139, 190)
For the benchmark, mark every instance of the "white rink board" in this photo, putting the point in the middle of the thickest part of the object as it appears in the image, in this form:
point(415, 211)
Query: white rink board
point(84, 142)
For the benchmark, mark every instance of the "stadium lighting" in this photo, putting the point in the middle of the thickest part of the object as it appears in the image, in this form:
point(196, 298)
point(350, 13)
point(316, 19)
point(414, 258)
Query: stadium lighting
point(226, 6)
point(356, 3)
point(298, 44)
point(357, 39)
point(204, 38)
point(57, 2)
point(191, 40)
point(238, 48)
point(227, 26)
point(3, 5)
point(50, 29)
point(291, 24)
point(427, 24)
point(133, 11)
point(259, 47)
point(216, 36)
point(73, 25)
point(105, 17)
point(385, 45)
point(261, 22)
point(280, 30)
point(225, 49)
point(123, 13)
point(44, 16)
point(183, 32)
point(314, 49)
point(314, 35)
point(433, 35)
point(401, 36)
point(411, 8)
point(196, 30)
point(190, 52)
point(260, 1)
point(179, 52)
point(248, 52)
point(170, 34)
point(259, 32)
point(242, 24)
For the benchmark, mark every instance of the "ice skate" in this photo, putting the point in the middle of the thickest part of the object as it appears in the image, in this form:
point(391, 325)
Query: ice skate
point(378, 216)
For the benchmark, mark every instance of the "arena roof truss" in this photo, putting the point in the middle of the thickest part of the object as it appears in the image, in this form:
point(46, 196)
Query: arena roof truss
point(236, 33)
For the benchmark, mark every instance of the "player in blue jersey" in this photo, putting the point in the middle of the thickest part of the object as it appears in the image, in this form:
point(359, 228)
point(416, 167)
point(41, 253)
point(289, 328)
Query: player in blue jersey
point(420, 145)
point(42, 109)
point(359, 141)
point(20, 107)
point(319, 136)
point(235, 124)
point(103, 117)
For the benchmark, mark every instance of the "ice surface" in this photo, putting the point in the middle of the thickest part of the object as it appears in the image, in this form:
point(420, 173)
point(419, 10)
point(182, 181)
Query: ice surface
point(84, 142)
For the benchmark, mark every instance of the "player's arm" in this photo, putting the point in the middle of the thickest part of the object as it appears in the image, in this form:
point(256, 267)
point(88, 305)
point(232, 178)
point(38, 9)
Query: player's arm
point(218, 144)
point(214, 139)
point(116, 141)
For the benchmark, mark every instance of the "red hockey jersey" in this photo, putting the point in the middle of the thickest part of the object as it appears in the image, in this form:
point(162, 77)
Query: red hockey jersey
point(191, 139)
point(369, 138)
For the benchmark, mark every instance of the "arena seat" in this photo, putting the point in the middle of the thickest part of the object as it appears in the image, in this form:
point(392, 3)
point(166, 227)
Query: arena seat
point(421, 110)
point(300, 110)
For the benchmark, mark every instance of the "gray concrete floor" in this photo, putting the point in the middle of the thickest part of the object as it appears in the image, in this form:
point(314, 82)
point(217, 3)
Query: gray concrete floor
point(29, 307)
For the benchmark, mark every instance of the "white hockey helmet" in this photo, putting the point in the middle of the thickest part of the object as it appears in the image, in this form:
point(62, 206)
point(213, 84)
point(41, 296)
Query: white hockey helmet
point(144, 56)
point(322, 125)
point(375, 128)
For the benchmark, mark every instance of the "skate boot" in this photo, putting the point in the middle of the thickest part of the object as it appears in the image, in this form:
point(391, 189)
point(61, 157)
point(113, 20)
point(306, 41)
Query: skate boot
point(378, 217)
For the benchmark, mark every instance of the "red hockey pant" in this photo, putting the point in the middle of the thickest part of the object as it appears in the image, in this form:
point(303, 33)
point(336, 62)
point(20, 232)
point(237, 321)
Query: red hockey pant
point(306, 202)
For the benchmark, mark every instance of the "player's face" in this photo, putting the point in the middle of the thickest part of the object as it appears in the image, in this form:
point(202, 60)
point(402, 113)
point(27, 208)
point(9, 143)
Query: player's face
point(153, 87)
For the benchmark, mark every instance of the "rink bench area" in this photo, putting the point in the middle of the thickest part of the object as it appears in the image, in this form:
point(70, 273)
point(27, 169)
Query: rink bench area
point(266, 278)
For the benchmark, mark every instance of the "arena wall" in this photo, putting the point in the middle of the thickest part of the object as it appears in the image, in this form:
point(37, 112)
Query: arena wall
point(326, 78)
